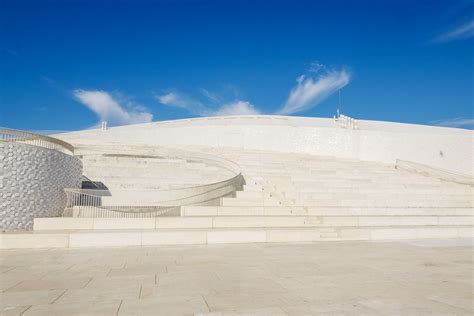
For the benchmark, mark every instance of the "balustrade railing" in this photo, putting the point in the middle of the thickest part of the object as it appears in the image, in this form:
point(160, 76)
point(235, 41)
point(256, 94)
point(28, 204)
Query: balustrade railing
point(441, 174)
point(12, 135)
point(166, 202)
point(88, 203)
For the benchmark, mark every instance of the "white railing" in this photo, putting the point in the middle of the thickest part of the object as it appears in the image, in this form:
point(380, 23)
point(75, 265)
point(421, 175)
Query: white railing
point(346, 122)
point(441, 174)
point(88, 203)
point(12, 135)
point(99, 203)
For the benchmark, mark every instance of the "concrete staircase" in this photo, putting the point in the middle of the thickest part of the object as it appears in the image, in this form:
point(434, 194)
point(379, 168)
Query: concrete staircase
point(288, 198)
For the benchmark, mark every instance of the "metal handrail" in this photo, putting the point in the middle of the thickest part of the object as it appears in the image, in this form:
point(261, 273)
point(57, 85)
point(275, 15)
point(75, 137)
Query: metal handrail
point(165, 201)
point(430, 171)
point(90, 201)
point(83, 203)
point(13, 135)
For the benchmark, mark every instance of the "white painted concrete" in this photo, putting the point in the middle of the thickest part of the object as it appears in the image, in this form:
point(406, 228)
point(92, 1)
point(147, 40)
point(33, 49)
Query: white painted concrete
point(129, 237)
point(447, 148)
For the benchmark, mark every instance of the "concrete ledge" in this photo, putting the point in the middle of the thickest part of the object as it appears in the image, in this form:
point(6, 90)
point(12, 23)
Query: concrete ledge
point(174, 238)
point(122, 238)
point(291, 235)
point(236, 236)
point(183, 222)
point(63, 223)
point(294, 221)
point(105, 239)
point(124, 223)
point(34, 240)
point(323, 211)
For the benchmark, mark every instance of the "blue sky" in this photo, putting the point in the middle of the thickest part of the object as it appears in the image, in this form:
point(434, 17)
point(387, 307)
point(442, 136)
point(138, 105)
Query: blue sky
point(66, 65)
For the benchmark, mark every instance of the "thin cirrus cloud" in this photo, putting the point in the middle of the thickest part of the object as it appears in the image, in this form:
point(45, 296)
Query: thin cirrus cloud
point(306, 94)
point(455, 122)
point(309, 92)
point(194, 106)
point(464, 31)
point(182, 101)
point(107, 108)
point(237, 108)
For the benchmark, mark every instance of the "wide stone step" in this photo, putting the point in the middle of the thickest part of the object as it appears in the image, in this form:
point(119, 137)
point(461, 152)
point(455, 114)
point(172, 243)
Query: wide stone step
point(412, 202)
point(305, 186)
point(361, 181)
point(146, 237)
point(254, 194)
point(388, 203)
point(141, 164)
point(156, 168)
point(140, 160)
point(62, 223)
point(116, 186)
point(253, 188)
point(380, 190)
point(323, 211)
point(370, 196)
point(143, 176)
point(251, 202)
point(124, 182)
point(140, 157)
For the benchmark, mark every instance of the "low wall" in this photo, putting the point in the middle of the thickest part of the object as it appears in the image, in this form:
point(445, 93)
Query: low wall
point(32, 183)
point(447, 148)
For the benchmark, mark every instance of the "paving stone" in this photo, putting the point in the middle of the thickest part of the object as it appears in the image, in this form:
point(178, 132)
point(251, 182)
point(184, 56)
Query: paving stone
point(370, 278)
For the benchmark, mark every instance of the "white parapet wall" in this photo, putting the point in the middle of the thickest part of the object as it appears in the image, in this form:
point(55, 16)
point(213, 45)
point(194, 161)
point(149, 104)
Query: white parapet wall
point(447, 148)
point(32, 183)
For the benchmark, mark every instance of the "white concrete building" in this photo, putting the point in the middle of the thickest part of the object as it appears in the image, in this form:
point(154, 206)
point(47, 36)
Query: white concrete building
point(252, 179)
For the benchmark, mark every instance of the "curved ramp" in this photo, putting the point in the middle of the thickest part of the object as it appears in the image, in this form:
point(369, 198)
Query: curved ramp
point(146, 181)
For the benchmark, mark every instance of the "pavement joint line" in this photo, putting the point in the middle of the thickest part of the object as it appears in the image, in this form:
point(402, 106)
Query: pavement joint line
point(9, 270)
point(118, 309)
point(205, 301)
point(11, 287)
point(90, 280)
point(26, 310)
point(57, 298)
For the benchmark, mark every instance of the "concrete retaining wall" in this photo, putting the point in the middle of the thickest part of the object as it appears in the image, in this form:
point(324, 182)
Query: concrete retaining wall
point(32, 180)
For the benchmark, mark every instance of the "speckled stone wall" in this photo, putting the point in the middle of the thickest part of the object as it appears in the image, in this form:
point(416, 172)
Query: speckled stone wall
point(32, 182)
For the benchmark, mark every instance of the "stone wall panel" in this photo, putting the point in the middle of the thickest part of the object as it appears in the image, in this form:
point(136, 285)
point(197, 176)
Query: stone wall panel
point(32, 183)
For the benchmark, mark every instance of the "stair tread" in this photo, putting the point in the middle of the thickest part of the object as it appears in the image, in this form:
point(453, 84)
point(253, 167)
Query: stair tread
point(315, 228)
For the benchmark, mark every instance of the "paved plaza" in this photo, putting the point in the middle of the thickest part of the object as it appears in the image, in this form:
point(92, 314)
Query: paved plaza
point(364, 278)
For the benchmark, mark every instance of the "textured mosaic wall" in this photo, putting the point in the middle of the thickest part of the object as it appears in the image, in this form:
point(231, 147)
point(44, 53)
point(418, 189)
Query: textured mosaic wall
point(32, 180)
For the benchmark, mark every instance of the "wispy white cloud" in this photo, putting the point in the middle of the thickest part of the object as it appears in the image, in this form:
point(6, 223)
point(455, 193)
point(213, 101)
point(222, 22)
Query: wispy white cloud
point(236, 108)
point(108, 108)
point(455, 122)
point(316, 67)
point(464, 31)
point(211, 96)
point(180, 100)
point(309, 92)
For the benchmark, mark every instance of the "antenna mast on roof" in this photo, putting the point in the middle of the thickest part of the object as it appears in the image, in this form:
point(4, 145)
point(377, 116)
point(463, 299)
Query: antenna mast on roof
point(339, 105)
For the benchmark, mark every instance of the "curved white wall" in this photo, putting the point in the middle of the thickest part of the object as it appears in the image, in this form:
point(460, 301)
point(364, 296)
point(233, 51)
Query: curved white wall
point(32, 182)
point(447, 148)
